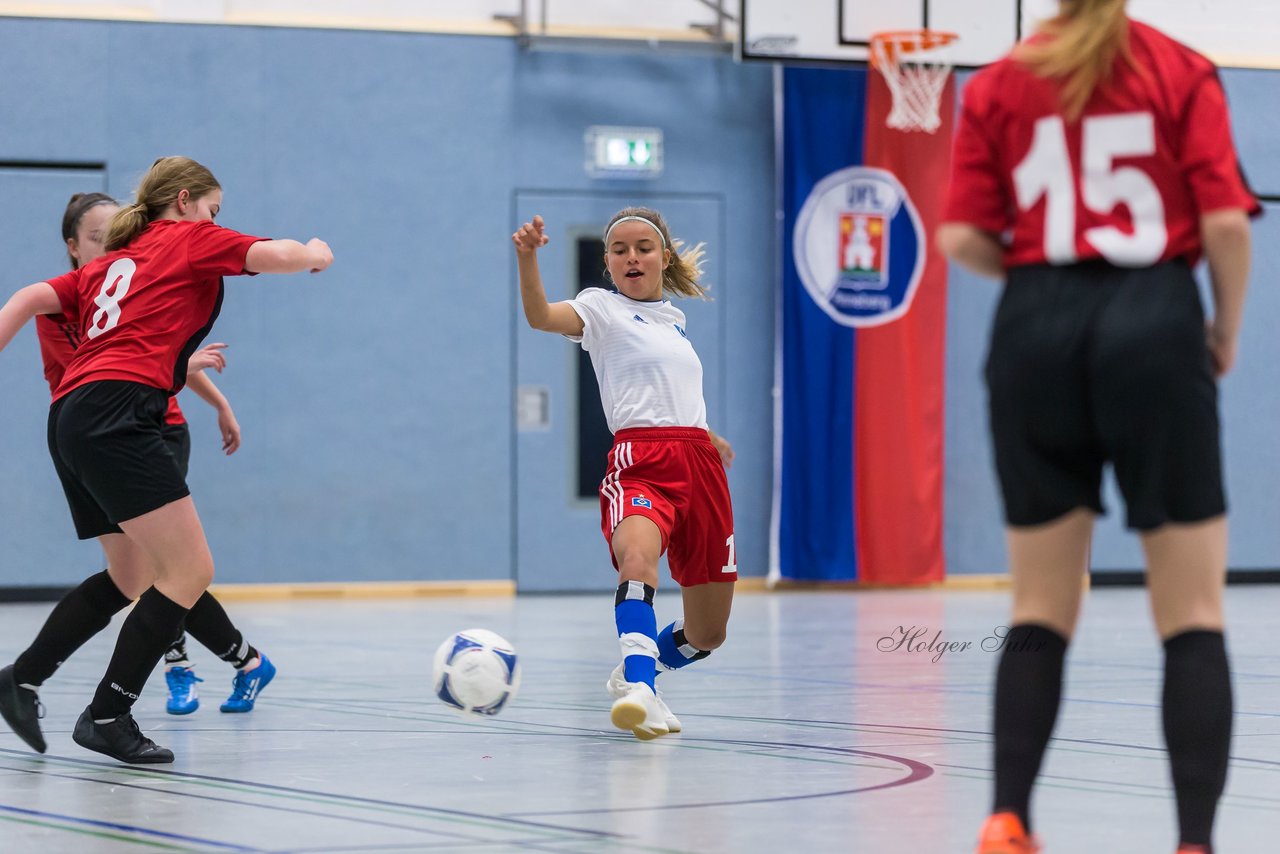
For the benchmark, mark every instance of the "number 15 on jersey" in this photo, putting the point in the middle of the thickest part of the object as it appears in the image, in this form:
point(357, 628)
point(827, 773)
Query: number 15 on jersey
point(1047, 173)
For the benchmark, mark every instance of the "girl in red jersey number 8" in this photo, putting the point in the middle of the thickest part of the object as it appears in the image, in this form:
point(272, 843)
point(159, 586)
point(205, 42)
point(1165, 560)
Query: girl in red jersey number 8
point(105, 426)
point(1092, 169)
point(88, 608)
point(665, 490)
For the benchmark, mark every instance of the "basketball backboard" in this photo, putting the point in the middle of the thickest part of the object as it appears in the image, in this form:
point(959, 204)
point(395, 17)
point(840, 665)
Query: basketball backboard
point(1242, 33)
point(840, 30)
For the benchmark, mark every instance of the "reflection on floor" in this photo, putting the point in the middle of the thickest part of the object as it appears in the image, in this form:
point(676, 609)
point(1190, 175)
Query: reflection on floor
point(816, 729)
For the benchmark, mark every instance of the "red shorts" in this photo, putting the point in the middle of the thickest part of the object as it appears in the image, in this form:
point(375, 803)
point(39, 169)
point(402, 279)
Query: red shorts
point(674, 477)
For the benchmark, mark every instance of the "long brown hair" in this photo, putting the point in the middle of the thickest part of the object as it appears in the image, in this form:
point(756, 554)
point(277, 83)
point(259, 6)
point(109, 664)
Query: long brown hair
point(1080, 48)
point(682, 274)
point(159, 188)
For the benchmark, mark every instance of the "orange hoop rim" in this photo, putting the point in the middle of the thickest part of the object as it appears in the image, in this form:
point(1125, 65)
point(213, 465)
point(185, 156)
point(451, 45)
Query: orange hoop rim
point(905, 42)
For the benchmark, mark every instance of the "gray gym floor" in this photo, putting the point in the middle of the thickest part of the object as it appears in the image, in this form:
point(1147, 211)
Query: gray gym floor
point(800, 735)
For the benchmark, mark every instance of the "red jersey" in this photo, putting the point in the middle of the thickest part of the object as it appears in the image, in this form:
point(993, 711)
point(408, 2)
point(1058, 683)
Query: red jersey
point(1125, 183)
point(144, 309)
point(59, 338)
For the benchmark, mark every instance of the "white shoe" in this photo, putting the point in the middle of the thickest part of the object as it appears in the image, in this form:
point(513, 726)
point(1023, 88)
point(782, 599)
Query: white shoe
point(618, 686)
point(639, 711)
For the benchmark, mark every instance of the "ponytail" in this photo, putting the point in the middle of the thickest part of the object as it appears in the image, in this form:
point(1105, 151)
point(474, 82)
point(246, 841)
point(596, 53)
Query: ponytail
point(1080, 48)
point(158, 189)
point(125, 226)
point(682, 274)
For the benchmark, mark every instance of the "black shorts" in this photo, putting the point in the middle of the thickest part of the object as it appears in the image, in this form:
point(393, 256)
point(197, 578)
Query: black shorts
point(108, 446)
point(1094, 364)
point(178, 438)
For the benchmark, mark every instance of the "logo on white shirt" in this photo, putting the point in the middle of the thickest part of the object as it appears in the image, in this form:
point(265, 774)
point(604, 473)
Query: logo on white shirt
point(639, 319)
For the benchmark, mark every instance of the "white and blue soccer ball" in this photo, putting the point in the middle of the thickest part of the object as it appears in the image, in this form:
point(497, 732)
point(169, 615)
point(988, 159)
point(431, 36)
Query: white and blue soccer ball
point(476, 672)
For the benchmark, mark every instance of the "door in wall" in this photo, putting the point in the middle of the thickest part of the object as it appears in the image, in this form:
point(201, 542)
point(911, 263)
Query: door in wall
point(561, 437)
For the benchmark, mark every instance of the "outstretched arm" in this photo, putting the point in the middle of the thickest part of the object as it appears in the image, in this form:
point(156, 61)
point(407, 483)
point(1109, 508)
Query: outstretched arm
point(288, 256)
point(549, 317)
point(35, 299)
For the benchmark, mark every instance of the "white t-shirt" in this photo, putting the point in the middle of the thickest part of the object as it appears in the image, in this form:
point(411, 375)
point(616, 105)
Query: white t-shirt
point(649, 374)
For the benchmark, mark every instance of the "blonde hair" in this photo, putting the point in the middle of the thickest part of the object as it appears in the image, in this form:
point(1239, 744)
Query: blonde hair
point(682, 274)
point(1083, 43)
point(159, 188)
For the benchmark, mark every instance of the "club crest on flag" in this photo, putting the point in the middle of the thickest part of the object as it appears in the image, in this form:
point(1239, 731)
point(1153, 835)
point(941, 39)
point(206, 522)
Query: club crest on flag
point(859, 246)
point(862, 250)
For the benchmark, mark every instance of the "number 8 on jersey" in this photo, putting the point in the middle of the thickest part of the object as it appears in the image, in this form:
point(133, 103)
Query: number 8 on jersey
point(114, 288)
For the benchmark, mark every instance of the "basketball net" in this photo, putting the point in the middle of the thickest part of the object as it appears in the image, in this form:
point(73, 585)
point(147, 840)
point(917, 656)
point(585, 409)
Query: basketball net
point(915, 76)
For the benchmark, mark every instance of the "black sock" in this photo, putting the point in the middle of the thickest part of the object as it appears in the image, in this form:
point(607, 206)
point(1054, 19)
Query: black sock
point(1197, 727)
point(208, 623)
point(1028, 691)
point(177, 651)
point(80, 615)
point(145, 635)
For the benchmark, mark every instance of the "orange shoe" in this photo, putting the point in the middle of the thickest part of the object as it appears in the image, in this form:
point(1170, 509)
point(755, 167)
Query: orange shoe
point(1003, 833)
point(1186, 848)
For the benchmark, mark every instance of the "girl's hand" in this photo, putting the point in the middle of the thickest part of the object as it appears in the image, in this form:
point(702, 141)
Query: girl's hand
point(230, 430)
point(725, 449)
point(1222, 350)
point(208, 356)
point(321, 254)
point(530, 237)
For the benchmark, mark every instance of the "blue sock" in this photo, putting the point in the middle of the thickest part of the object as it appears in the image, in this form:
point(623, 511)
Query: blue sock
point(637, 630)
point(674, 651)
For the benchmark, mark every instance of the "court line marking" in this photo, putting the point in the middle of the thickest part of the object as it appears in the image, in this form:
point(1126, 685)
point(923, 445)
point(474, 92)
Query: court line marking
point(127, 828)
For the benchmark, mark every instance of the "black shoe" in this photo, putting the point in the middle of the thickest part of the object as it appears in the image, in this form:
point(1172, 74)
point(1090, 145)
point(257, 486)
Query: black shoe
point(121, 739)
point(21, 710)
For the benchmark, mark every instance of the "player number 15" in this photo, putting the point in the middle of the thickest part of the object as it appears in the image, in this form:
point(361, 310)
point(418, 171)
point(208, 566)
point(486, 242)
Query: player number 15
point(1046, 172)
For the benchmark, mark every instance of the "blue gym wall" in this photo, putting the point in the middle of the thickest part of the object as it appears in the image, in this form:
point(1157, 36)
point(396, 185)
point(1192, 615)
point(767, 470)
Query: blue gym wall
point(376, 399)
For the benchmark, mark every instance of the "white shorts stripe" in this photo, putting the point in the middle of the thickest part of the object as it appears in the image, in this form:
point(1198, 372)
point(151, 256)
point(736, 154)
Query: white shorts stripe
point(611, 488)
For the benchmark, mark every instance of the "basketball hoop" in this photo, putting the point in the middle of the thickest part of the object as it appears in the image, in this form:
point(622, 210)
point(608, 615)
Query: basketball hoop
point(915, 80)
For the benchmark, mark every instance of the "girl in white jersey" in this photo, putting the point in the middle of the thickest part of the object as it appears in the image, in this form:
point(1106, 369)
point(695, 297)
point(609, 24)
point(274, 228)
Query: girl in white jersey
point(665, 490)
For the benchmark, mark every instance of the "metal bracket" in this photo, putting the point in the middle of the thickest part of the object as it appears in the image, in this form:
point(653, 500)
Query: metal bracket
point(530, 39)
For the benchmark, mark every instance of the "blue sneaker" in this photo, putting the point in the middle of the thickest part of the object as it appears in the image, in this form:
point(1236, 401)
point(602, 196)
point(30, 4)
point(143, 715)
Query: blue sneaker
point(182, 690)
point(247, 684)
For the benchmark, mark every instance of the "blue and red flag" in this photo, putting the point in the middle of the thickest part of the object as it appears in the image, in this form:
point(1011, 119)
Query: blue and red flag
point(858, 491)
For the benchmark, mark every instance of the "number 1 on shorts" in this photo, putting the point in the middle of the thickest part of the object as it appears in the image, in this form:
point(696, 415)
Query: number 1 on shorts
point(732, 566)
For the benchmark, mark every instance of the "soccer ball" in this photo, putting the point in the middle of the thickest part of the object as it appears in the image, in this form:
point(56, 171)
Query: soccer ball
point(476, 672)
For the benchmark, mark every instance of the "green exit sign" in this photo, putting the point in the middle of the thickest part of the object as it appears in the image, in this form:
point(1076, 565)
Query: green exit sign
point(623, 152)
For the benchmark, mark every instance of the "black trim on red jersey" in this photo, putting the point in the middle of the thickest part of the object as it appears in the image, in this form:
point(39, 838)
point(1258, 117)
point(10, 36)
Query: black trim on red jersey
point(193, 343)
point(69, 330)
